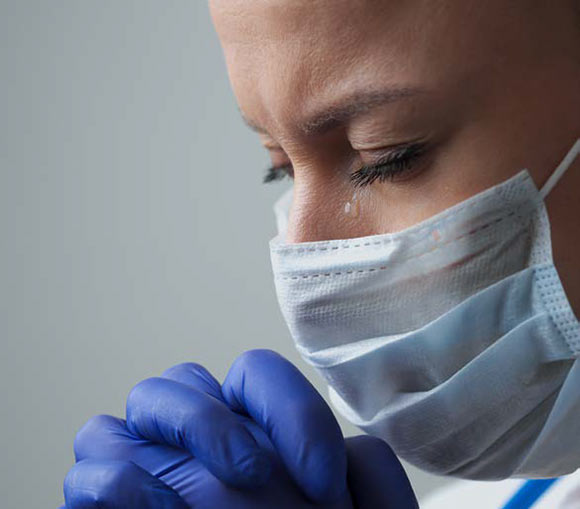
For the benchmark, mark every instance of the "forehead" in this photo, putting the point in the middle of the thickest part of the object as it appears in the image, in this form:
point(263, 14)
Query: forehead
point(285, 57)
point(269, 18)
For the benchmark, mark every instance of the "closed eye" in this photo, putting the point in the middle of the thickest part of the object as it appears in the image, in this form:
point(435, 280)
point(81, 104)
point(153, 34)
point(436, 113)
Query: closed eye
point(276, 173)
point(394, 165)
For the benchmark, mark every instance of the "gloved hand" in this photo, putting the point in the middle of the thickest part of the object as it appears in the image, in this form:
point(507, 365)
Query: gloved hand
point(264, 439)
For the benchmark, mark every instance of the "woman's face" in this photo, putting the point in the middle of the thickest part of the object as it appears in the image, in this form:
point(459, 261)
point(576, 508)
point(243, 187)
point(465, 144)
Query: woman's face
point(387, 112)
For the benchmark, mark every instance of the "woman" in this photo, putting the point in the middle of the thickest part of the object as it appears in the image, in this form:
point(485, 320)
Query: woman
point(414, 266)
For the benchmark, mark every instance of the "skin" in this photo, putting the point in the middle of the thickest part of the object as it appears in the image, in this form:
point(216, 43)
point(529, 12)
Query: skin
point(498, 85)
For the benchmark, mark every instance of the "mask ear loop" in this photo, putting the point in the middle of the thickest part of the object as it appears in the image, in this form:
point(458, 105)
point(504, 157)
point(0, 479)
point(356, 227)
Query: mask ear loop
point(560, 170)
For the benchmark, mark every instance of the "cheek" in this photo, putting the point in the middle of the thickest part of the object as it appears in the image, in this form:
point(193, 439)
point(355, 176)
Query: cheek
point(328, 213)
point(392, 207)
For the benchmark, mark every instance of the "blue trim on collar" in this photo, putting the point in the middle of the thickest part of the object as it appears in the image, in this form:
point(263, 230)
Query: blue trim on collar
point(529, 493)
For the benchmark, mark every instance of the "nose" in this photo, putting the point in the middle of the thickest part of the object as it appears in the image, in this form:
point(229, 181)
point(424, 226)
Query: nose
point(323, 209)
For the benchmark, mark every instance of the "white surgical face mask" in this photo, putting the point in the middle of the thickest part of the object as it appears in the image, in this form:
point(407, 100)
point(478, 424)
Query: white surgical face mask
point(452, 340)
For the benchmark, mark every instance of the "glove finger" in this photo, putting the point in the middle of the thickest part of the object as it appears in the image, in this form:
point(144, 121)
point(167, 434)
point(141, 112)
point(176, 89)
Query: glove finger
point(171, 413)
point(299, 423)
point(196, 376)
point(376, 477)
point(105, 437)
point(117, 485)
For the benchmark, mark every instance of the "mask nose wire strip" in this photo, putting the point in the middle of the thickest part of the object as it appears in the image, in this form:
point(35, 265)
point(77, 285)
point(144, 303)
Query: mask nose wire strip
point(561, 169)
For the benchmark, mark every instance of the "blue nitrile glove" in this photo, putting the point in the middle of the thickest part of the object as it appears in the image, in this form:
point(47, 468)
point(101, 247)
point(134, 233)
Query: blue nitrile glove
point(265, 439)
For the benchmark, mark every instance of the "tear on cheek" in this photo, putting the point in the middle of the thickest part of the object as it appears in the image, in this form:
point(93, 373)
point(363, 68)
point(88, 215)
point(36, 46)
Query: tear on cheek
point(352, 207)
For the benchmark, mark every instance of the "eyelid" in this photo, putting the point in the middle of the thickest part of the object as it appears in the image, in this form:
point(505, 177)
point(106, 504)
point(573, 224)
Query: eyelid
point(391, 152)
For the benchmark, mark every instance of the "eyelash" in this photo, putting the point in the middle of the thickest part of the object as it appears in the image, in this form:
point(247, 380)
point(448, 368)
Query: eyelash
point(394, 164)
point(275, 173)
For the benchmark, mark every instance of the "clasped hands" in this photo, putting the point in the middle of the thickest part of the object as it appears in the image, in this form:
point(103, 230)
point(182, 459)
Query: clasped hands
point(264, 439)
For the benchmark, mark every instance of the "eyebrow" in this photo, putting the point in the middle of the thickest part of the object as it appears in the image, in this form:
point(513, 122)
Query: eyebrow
point(350, 107)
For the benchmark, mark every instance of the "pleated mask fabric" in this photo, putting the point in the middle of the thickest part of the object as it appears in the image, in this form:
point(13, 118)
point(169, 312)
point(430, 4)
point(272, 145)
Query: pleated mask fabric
point(453, 340)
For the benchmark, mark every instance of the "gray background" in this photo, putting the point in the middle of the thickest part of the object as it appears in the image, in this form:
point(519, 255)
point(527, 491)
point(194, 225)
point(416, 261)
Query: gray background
point(133, 221)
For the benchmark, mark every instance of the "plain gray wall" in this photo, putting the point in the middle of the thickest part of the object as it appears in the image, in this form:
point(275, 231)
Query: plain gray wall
point(133, 221)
